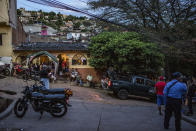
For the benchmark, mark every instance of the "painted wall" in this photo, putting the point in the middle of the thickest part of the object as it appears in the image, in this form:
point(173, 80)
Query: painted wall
point(8, 13)
point(83, 70)
point(4, 18)
point(6, 47)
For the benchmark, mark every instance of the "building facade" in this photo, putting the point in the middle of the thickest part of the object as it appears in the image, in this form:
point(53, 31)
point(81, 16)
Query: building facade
point(10, 28)
point(72, 55)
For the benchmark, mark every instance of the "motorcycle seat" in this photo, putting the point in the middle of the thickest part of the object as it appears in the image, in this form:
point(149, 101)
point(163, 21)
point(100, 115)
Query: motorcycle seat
point(47, 97)
point(37, 95)
point(54, 96)
point(42, 89)
point(54, 90)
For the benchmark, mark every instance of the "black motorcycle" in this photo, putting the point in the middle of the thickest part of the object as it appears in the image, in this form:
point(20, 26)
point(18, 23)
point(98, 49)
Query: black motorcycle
point(55, 104)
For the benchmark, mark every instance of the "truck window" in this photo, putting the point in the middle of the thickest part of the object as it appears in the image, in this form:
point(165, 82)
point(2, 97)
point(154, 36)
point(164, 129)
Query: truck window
point(149, 83)
point(140, 81)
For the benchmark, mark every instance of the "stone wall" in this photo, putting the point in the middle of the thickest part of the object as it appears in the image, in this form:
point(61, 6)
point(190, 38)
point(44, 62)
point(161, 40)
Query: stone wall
point(83, 72)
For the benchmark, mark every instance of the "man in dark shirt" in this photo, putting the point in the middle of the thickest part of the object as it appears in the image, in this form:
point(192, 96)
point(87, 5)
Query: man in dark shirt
point(190, 94)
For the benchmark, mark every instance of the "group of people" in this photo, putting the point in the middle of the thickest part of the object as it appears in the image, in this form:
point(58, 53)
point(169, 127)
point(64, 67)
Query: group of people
point(105, 81)
point(172, 94)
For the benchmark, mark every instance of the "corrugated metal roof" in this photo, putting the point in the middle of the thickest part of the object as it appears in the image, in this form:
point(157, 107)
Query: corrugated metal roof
point(52, 46)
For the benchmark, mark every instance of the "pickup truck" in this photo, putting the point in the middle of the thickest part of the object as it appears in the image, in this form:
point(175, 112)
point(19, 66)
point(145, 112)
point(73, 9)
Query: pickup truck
point(133, 85)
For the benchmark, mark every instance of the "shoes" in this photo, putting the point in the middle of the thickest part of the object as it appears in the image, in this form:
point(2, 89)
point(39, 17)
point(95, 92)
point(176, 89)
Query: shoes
point(166, 128)
point(69, 105)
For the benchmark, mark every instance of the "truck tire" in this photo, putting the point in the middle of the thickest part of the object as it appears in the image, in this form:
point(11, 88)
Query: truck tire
point(123, 94)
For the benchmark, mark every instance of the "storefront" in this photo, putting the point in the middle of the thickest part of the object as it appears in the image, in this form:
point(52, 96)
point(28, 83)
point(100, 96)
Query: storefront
point(69, 56)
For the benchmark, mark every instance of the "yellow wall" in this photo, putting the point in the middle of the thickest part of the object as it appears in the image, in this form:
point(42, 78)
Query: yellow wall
point(4, 4)
point(70, 55)
point(5, 29)
point(6, 47)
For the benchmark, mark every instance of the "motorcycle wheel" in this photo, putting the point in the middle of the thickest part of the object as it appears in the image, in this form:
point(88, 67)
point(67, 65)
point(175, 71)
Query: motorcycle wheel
point(58, 109)
point(6, 72)
point(20, 108)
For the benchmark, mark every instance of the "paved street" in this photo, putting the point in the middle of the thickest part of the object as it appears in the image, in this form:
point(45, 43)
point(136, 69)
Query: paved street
point(95, 110)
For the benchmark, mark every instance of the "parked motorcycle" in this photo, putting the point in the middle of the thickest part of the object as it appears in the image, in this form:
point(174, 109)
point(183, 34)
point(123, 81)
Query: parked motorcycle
point(41, 89)
point(4, 69)
point(55, 104)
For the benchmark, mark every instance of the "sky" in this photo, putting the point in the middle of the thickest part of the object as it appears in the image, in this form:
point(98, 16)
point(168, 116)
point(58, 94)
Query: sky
point(81, 4)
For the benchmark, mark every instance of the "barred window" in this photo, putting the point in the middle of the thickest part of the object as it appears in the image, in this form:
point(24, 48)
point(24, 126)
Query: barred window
point(1, 40)
point(79, 59)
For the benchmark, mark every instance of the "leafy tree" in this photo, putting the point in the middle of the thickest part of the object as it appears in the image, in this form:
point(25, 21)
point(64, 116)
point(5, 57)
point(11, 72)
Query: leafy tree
point(40, 11)
point(125, 52)
point(31, 22)
point(59, 21)
point(172, 18)
point(82, 17)
point(86, 23)
point(76, 25)
point(52, 15)
point(70, 18)
point(19, 12)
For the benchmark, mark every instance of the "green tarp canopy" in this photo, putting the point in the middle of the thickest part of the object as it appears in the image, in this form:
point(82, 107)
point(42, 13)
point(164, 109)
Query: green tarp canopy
point(35, 55)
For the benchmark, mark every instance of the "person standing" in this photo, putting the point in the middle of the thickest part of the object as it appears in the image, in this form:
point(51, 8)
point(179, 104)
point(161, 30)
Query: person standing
point(90, 80)
point(190, 94)
point(174, 91)
point(45, 75)
point(159, 86)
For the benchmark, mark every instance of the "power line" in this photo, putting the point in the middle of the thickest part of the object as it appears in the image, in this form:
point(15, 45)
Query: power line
point(83, 1)
point(57, 4)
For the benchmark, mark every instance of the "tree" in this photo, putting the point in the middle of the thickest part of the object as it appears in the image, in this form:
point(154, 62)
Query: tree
point(59, 21)
point(125, 52)
point(172, 18)
point(86, 23)
point(76, 25)
point(19, 12)
point(52, 15)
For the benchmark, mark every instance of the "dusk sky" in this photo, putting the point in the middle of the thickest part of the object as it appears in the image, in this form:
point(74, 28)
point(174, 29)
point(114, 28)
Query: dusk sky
point(81, 4)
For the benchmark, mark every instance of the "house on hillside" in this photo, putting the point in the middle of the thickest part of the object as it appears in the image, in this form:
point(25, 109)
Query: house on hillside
point(37, 28)
point(75, 36)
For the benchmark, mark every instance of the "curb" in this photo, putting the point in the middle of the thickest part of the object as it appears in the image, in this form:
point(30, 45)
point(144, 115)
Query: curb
point(8, 111)
point(188, 119)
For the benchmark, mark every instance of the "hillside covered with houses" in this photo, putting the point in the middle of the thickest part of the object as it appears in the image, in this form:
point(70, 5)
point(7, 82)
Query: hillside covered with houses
point(64, 27)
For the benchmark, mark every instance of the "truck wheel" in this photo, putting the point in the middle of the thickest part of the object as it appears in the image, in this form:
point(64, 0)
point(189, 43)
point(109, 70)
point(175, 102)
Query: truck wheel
point(123, 94)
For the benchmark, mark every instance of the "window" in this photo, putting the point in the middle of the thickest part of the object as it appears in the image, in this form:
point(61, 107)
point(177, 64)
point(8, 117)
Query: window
point(149, 83)
point(140, 81)
point(1, 40)
point(79, 60)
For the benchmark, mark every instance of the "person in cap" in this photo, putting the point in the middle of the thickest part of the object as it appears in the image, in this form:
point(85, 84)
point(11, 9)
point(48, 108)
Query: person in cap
point(173, 92)
point(159, 86)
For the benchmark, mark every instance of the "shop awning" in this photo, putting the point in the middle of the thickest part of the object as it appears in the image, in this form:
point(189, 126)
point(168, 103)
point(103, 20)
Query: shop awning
point(35, 55)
